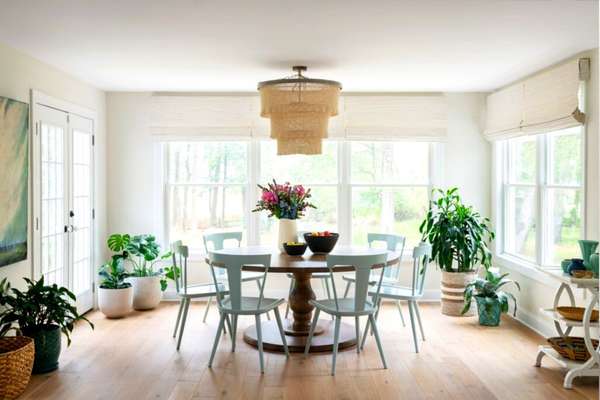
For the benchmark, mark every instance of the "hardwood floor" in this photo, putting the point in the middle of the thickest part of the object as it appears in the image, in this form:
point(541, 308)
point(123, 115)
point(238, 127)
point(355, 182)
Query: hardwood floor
point(135, 358)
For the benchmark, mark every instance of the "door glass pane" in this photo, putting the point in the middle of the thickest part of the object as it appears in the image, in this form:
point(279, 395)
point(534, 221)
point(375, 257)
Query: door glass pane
point(53, 218)
point(520, 221)
point(388, 210)
point(195, 209)
point(564, 207)
point(390, 162)
point(522, 157)
point(566, 160)
point(82, 209)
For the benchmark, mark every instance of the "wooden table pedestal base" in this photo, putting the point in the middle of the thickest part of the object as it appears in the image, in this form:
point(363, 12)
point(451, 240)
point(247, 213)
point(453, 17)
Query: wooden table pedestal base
point(321, 342)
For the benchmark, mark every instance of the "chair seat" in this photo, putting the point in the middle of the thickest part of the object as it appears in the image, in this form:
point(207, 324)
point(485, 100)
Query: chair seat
point(316, 275)
point(252, 276)
point(396, 292)
point(206, 290)
point(373, 280)
point(249, 305)
point(346, 307)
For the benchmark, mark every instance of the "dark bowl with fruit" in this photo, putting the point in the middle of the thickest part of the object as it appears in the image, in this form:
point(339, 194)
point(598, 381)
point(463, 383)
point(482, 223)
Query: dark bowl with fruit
point(294, 248)
point(321, 242)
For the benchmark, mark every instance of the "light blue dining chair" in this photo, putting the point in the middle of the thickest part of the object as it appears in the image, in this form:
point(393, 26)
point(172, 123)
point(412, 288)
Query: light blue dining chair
point(186, 292)
point(235, 304)
point(350, 307)
point(217, 241)
point(323, 277)
point(412, 294)
point(392, 242)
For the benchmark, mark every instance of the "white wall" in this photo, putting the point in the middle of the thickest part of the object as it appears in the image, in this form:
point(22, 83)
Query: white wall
point(134, 192)
point(537, 290)
point(20, 73)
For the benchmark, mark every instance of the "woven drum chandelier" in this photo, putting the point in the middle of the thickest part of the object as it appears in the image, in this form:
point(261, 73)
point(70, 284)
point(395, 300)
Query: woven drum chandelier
point(299, 109)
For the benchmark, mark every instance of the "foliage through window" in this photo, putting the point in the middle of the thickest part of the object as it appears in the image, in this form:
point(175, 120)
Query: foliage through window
point(543, 196)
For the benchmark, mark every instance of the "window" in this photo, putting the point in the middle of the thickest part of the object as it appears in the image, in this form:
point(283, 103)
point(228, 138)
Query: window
point(370, 186)
point(543, 196)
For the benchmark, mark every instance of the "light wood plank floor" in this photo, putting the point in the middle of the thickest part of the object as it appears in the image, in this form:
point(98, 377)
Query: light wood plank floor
point(135, 358)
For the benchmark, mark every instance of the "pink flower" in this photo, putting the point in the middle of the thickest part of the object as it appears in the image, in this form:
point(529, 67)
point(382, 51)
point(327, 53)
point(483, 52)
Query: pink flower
point(299, 190)
point(269, 197)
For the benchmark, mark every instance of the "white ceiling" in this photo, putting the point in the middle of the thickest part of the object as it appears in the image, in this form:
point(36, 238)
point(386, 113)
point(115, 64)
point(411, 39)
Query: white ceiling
point(223, 45)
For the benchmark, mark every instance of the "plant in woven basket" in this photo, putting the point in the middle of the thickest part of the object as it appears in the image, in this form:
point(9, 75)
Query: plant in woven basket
point(491, 301)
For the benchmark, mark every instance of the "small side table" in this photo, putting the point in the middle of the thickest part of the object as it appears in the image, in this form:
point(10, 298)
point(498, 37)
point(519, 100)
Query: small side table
point(564, 326)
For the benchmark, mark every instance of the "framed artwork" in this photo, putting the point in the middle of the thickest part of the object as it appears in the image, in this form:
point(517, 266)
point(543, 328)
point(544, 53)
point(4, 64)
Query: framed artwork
point(14, 186)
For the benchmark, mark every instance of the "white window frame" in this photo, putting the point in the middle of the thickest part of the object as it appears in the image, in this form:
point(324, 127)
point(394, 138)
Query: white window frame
point(344, 188)
point(542, 188)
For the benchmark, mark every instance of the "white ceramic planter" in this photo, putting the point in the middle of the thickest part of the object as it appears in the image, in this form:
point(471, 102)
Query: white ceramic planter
point(115, 303)
point(146, 292)
point(287, 232)
point(453, 288)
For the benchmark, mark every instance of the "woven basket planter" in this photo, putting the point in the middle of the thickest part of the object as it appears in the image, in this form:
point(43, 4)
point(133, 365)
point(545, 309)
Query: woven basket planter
point(16, 361)
point(453, 287)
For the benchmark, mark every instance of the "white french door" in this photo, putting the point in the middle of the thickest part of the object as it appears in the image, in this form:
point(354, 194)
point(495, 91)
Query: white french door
point(63, 201)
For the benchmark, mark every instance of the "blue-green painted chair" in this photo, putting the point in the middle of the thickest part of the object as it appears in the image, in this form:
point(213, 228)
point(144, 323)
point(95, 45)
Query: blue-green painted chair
point(321, 276)
point(217, 241)
point(392, 243)
point(411, 294)
point(235, 304)
point(350, 307)
point(187, 292)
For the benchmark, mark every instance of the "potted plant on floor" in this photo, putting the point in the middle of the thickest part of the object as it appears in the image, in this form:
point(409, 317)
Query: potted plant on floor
point(459, 237)
point(42, 312)
point(16, 356)
point(143, 253)
point(115, 296)
point(491, 302)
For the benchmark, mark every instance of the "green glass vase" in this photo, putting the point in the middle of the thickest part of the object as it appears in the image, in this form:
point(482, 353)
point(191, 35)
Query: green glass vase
point(594, 260)
point(588, 247)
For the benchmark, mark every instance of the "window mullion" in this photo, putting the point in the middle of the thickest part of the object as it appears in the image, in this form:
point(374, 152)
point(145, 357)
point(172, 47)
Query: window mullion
point(542, 237)
point(253, 177)
point(344, 193)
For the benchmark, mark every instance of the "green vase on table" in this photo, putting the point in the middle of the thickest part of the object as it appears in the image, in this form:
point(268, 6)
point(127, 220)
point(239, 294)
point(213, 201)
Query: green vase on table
point(588, 247)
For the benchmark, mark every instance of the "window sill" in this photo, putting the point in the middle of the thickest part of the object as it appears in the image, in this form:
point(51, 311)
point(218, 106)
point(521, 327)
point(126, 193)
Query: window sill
point(527, 269)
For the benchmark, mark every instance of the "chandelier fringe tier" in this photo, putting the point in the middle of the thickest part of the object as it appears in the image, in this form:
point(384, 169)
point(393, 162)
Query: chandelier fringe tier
point(299, 109)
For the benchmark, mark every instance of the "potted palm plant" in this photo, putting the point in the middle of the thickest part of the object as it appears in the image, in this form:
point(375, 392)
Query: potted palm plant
point(143, 253)
point(459, 237)
point(115, 296)
point(42, 312)
point(491, 302)
point(16, 356)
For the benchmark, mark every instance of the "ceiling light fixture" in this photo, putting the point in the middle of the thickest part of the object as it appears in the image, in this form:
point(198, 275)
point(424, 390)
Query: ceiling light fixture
point(299, 108)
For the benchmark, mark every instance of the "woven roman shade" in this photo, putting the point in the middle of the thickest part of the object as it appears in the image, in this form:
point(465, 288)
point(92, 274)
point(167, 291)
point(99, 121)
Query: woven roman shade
point(395, 116)
point(545, 102)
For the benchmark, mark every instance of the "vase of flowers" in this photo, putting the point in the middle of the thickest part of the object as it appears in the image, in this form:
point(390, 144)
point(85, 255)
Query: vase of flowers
point(287, 203)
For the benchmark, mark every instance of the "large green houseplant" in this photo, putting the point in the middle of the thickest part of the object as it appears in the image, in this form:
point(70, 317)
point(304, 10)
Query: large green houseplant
point(143, 253)
point(491, 301)
point(41, 312)
point(459, 237)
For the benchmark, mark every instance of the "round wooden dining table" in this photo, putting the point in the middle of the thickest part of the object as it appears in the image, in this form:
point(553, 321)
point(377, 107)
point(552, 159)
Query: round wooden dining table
point(302, 267)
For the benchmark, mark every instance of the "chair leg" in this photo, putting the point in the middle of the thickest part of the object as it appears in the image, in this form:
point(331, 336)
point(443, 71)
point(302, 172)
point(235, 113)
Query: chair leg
point(401, 314)
point(377, 312)
point(206, 309)
point(347, 289)
point(217, 337)
point(178, 316)
point(412, 323)
point(287, 306)
point(183, 318)
point(281, 332)
point(376, 333)
point(336, 342)
point(258, 284)
point(311, 331)
point(365, 334)
point(260, 343)
point(357, 328)
point(416, 305)
point(327, 287)
point(234, 320)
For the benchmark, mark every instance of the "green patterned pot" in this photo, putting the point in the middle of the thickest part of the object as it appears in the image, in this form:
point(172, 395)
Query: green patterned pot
point(489, 311)
point(594, 260)
point(47, 348)
point(588, 247)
